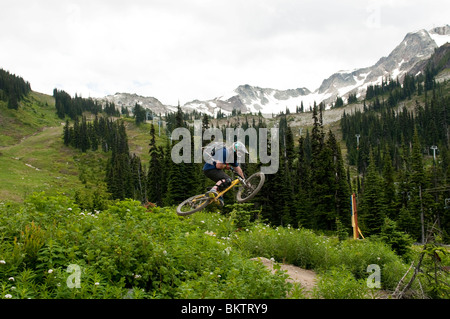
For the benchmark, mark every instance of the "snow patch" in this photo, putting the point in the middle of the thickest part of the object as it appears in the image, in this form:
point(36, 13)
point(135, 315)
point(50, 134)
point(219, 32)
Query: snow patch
point(439, 38)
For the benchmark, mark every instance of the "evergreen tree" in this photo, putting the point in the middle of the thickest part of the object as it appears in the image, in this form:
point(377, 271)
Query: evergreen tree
point(155, 171)
point(341, 185)
point(371, 209)
point(303, 199)
point(389, 190)
point(66, 134)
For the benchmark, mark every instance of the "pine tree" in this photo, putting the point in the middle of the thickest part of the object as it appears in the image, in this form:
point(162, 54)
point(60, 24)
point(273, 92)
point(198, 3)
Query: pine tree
point(66, 134)
point(155, 171)
point(371, 209)
point(389, 190)
point(341, 185)
point(303, 199)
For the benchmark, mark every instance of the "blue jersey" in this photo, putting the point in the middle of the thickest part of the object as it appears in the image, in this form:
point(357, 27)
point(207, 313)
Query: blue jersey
point(221, 156)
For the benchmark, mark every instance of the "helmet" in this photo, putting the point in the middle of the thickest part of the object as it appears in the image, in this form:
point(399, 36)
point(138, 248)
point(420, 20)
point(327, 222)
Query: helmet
point(239, 149)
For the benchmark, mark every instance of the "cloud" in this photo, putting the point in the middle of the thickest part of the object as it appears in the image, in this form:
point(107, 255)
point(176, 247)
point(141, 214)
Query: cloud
point(183, 50)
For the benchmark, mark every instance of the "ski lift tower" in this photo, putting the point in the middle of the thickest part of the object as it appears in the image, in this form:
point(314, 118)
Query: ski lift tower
point(157, 119)
point(434, 148)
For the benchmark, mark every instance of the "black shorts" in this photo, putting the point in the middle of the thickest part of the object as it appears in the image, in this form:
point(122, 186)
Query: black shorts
point(216, 174)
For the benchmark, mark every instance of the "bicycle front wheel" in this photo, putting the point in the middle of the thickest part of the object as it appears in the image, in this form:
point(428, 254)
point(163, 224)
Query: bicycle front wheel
point(253, 185)
point(193, 204)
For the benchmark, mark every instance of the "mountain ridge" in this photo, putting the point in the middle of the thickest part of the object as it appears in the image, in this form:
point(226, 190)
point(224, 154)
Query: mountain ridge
point(408, 56)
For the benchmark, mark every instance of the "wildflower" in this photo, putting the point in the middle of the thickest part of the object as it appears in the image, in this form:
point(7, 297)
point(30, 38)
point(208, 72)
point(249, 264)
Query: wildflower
point(202, 221)
point(70, 208)
point(8, 296)
point(50, 271)
point(164, 252)
point(137, 276)
point(11, 278)
point(13, 288)
point(97, 283)
point(2, 262)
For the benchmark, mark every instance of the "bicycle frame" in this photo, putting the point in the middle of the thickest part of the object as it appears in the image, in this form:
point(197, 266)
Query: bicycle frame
point(233, 183)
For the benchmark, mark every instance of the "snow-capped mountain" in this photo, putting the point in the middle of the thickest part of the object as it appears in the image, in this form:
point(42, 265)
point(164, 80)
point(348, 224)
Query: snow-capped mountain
point(130, 100)
point(407, 58)
point(247, 98)
point(415, 48)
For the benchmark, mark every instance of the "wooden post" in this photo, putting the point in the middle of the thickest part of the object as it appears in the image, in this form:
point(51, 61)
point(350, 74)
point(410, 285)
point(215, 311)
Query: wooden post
point(354, 217)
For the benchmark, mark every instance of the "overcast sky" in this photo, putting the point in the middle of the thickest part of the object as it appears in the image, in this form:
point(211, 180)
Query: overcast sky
point(180, 50)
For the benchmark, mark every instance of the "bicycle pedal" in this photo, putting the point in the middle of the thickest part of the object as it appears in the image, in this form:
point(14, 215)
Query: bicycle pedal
point(212, 195)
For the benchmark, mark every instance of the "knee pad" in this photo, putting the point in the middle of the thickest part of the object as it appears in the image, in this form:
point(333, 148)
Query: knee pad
point(225, 184)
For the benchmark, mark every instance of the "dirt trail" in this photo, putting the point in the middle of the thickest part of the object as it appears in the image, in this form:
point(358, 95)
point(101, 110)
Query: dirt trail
point(306, 278)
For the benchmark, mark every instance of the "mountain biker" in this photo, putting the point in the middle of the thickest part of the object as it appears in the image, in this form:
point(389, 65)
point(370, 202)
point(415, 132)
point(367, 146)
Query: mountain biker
point(224, 158)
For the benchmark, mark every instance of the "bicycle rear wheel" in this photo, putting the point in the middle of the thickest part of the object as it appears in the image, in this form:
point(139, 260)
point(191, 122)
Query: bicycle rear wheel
point(253, 185)
point(193, 204)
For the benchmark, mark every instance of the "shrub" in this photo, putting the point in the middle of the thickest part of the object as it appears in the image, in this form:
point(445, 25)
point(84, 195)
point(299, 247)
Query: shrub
point(339, 283)
point(399, 241)
point(125, 251)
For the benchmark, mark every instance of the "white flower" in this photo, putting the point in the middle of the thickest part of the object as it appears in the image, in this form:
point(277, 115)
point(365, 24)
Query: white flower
point(50, 271)
point(165, 252)
point(137, 276)
point(2, 262)
point(69, 208)
point(8, 296)
point(97, 283)
point(202, 221)
point(13, 288)
point(11, 278)
point(210, 233)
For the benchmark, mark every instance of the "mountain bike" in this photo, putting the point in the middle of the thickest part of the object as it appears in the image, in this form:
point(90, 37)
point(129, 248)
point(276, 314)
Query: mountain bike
point(248, 188)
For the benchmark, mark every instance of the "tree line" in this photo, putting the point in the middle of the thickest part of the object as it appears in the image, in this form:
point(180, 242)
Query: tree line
point(311, 188)
point(74, 107)
point(13, 89)
point(402, 158)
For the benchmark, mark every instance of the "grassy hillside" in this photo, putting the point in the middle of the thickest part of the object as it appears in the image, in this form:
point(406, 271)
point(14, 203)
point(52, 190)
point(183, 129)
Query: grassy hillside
point(35, 112)
point(34, 157)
